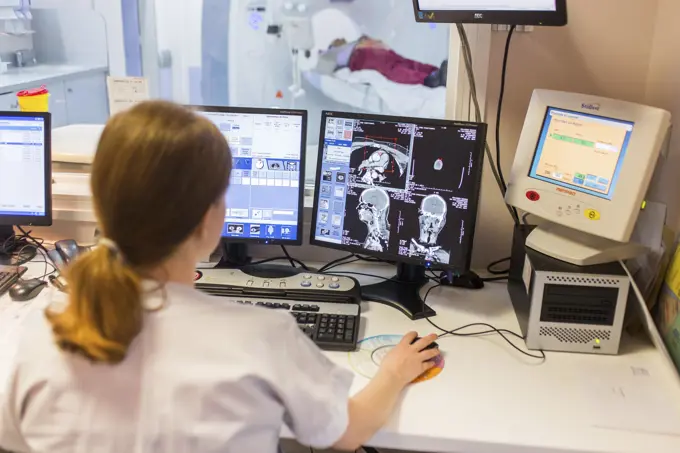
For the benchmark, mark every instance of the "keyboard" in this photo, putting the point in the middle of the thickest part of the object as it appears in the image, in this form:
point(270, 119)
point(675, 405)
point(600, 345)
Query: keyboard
point(327, 309)
point(9, 275)
point(332, 326)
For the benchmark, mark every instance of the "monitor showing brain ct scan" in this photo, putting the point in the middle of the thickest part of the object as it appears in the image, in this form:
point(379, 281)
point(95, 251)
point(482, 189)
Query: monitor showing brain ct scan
point(400, 188)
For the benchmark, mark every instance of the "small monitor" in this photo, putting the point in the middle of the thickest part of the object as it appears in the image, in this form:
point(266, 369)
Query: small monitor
point(265, 196)
point(508, 12)
point(402, 189)
point(585, 163)
point(25, 170)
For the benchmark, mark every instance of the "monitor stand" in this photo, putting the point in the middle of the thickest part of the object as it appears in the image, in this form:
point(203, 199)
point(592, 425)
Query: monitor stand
point(235, 256)
point(579, 248)
point(402, 292)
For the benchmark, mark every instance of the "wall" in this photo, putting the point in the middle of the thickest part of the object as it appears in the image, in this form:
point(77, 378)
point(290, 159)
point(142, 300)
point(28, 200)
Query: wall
point(663, 90)
point(605, 50)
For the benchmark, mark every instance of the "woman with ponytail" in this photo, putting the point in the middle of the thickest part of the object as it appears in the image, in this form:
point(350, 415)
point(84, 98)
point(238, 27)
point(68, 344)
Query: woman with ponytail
point(138, 361)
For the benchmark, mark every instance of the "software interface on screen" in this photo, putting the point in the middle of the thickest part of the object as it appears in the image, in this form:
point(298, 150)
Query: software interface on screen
point(398, 188)
point(487, 5)
point(581, 151)
point(22, 166)
point(263, 195)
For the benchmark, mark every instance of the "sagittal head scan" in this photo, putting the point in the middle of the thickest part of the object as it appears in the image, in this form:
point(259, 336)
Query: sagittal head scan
point(398, 187)
point(374, 209)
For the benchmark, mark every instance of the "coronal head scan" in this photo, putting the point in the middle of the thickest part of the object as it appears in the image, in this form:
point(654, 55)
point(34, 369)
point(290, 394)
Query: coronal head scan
point(431, 219)
point(382, 159)
point(373, 210)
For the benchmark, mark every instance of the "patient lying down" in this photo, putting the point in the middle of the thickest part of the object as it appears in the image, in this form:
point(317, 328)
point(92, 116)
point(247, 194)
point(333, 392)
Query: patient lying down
point(372, 54)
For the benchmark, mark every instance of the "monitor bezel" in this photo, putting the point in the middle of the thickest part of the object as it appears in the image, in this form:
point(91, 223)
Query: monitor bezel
point(30, 220)
point(557, 18)
point(615, 218)
point(303, 156)
point(473, 200)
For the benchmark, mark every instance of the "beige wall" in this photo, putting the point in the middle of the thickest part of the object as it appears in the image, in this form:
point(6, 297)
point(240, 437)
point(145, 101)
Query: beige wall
point(607, 49)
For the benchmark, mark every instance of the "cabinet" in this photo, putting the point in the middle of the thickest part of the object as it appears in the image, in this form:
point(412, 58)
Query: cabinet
point(73, 99)
point(86, 99)
point(57, 103)
point(8, 102)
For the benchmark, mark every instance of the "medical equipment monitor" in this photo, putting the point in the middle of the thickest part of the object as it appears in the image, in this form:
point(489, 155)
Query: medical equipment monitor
point(584, 163)
point(508, 12)
point(25, 171)
point(265, 196)
point(401, 189)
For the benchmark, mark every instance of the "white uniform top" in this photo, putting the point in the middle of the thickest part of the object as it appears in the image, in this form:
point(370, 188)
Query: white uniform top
point(203, 376)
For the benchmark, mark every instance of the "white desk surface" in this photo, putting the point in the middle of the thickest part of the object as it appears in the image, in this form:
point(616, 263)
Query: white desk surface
point(491, 399)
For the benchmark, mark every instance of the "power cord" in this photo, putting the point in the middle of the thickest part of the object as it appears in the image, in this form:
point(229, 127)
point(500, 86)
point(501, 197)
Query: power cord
point(490, 268)
point(502, 332)
point(499, 111)
point(467, 56)
point(292, 260)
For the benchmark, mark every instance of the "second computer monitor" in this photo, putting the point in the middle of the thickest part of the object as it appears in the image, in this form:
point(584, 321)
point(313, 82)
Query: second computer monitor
point(265, 196)
point(403, 189)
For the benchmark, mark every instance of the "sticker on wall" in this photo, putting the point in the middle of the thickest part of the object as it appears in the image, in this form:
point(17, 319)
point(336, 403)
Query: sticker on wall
point(366, 360)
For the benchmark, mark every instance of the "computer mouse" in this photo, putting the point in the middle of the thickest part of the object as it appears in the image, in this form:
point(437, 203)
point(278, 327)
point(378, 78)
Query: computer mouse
point(25, 290)
point(430, 346)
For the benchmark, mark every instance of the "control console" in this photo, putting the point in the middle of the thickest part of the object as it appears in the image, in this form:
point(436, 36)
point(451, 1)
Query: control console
point(305, 286)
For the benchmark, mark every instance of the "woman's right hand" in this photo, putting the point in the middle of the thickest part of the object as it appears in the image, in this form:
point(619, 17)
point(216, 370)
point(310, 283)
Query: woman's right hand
point(408, 361)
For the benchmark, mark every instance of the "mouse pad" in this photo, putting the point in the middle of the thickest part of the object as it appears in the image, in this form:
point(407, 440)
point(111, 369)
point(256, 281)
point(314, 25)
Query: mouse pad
point(371, 351)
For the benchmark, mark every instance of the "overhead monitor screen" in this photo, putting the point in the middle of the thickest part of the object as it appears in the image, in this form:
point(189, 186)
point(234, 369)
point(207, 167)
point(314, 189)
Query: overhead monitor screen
point(487, 5)
point(581, 151)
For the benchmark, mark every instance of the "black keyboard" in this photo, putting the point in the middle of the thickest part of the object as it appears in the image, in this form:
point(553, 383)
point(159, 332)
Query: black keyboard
point(332, 326)
point(9, 275)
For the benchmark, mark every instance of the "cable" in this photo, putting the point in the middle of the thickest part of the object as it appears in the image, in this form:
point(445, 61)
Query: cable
point(495, 279)
point(37, 242)
point(501, 332)
point(490, 268)
point(278, 258)
point(467, 56)
point(365, 275)
point(285, 252)
point(499, 110)
point(333, 263)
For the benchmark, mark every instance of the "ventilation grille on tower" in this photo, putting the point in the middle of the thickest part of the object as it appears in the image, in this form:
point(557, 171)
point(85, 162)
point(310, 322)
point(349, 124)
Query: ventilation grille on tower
point(583, 280)
point(592, 305)
point(582, 336)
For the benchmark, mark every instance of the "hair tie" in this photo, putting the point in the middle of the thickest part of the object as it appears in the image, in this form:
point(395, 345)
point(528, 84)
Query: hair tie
point(111, 245)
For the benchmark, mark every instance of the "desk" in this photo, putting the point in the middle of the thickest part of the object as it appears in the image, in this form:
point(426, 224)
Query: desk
point(491, 399)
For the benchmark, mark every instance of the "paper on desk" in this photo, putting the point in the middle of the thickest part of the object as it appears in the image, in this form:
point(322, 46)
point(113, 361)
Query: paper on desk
point(126, 92)
point(631, 399)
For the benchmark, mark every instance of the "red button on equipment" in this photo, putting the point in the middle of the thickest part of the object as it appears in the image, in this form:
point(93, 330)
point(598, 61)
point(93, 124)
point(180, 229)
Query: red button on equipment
point(532, 195)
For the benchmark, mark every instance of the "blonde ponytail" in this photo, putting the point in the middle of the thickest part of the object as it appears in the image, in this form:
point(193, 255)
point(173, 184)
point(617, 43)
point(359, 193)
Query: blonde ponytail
point(104, 314)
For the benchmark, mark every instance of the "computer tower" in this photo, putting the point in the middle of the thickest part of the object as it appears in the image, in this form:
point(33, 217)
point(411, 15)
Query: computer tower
point(563, 307)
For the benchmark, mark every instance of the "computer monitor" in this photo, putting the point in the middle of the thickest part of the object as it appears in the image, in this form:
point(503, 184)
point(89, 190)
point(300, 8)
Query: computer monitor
point(584, 163)
point(25, 173)
point(265, 196)
point(400, 189)
point(508, 12)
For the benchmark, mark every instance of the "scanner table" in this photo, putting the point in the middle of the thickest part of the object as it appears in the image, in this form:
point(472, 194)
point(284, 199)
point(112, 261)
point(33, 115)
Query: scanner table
point(489, 398)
